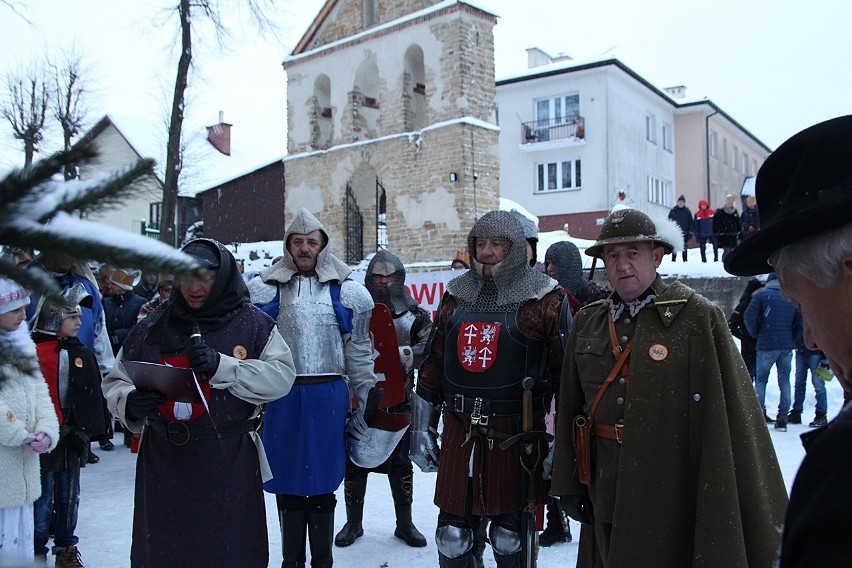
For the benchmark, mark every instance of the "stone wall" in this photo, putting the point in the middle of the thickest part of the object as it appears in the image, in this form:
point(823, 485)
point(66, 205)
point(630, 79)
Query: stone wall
point(724, 292)
point(428, 216)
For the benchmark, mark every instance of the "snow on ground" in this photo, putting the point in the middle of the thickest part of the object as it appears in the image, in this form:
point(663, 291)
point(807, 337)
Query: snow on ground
point(106, 508)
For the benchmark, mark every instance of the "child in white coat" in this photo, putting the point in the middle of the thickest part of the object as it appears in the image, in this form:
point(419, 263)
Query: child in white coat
point(28, 427)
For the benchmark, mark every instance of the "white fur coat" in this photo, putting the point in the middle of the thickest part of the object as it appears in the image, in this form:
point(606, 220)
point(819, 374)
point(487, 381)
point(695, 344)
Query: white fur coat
point(25, 407)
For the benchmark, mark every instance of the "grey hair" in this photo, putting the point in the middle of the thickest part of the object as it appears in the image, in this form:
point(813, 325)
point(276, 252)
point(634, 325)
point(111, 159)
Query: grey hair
point(819, 258)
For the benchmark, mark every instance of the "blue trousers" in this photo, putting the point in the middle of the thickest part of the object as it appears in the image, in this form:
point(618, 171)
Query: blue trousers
point(783, 361)
point(54, 505)
point(808, 361)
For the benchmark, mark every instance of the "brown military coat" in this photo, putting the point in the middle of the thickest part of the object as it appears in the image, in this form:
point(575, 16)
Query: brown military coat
point(696, 481)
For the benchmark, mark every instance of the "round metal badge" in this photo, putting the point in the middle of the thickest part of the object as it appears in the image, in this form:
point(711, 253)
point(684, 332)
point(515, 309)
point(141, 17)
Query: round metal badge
point(658, 352)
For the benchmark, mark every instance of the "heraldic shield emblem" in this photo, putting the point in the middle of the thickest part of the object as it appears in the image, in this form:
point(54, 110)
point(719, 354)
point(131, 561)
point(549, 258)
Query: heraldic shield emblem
point(477, 345)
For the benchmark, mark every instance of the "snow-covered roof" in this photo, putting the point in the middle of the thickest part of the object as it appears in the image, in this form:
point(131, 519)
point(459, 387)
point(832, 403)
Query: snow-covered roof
point(204, 167)
point(317, 24)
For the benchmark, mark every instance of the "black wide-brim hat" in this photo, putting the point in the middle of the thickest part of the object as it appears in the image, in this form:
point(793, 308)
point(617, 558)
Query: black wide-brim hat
point(804, 188)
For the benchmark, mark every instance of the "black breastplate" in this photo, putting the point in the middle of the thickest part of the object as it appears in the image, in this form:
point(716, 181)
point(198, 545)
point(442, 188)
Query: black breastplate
point(486, 355)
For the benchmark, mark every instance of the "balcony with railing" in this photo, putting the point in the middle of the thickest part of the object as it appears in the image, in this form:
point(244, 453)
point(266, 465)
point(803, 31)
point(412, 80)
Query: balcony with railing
point(552, 129)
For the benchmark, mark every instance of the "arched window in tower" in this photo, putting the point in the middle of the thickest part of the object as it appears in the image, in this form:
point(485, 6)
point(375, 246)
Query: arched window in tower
point(322, 127)
point(414, 89)
point(364, 101)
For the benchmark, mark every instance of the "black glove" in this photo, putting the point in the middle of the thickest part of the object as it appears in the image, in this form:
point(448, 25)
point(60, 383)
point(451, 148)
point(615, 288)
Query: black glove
point(578, 507)
point(203, 359)
point(78, 442)
point(142, 403)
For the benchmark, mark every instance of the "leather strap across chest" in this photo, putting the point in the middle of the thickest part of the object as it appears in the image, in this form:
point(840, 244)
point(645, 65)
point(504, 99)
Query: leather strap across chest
point(621, 356)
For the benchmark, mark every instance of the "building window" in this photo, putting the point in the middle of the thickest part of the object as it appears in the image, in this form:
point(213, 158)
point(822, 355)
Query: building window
point(557, 110)
point(754, 167)
point(734, 156)
point(659, 191)
point(558, 176)
point(725, 150)
point(651, 128)
point(745, 164)
point(667, 137)
point(714, 143)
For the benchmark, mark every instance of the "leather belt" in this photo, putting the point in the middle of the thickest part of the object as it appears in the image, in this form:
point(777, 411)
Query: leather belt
point(486, 406)
point(609, 431)
point(315, 379)
point(179, 433)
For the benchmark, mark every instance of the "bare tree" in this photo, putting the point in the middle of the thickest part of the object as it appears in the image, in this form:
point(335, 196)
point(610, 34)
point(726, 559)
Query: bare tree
point(194, 13)
point(69, 107)
point(26, 108)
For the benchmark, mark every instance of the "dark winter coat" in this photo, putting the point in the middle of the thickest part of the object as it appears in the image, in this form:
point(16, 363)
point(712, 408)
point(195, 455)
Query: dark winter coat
point(81, 414)
point(201, 503)
point(683, 217)
point(122, 313)
point(696, 481)
point(726, 227)
point(496, 473)
point(815, 530)
point(749, 222)
point(703, 225)
point(736, 323)
point(771, 319)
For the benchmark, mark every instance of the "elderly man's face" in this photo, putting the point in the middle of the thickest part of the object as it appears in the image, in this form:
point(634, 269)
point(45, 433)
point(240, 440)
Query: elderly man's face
point(305, 249)
point(827, 315)
point(490, 251)
point(632, 267)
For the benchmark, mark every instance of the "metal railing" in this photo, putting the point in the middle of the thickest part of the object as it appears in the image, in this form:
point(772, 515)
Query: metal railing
point(354, 227)
point(552, 129)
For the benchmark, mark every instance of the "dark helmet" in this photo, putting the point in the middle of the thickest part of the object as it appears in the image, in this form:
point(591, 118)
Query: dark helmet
point(633, 226)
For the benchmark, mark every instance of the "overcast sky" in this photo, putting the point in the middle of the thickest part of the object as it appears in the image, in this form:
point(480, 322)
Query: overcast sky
point(776, 66)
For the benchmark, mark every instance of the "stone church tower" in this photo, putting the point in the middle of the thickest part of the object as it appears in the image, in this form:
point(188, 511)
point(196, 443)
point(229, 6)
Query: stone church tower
point(391, 134)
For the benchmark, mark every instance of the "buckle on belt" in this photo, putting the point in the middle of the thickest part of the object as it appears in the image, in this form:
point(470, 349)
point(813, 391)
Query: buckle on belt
point(618, 428)
point(180, 435)
point(476, 416)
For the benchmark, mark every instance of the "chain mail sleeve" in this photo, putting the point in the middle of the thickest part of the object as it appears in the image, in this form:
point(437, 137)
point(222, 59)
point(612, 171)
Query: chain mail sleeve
point(357, 346)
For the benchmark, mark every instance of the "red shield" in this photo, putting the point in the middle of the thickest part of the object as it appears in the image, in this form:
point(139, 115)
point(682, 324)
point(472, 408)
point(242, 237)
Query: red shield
point(477, 345)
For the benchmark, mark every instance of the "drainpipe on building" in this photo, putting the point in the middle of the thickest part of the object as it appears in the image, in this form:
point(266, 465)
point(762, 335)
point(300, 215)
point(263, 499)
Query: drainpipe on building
point(707, 150)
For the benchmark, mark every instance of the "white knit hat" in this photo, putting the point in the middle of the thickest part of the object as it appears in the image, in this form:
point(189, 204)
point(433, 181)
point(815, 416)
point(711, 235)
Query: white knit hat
point(12, 295)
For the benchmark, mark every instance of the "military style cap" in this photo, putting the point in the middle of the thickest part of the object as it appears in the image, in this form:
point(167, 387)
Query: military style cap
point(630, 226)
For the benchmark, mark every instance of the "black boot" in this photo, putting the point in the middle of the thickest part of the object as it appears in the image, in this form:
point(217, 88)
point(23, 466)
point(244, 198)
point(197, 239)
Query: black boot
point(405, 529)
point(555, 531)
point(353, 529)
point(320, 535)
point(293, 530)
point(402, 487)
point(354, 489)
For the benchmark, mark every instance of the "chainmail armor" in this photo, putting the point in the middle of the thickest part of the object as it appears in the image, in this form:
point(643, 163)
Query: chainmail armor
point(512, 281)
point(395, 296)
point(569, 265)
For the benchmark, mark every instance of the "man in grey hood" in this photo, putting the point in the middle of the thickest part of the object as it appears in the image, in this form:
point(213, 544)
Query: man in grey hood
point(325, 318)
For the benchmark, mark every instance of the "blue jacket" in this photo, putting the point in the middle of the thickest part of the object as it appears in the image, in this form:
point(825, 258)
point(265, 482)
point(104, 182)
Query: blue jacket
point(772, 319)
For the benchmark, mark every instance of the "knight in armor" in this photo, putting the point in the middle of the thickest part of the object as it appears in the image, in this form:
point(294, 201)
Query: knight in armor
point(659, 436)
point(385, 280)
point(324, 316)
point(497, 325)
